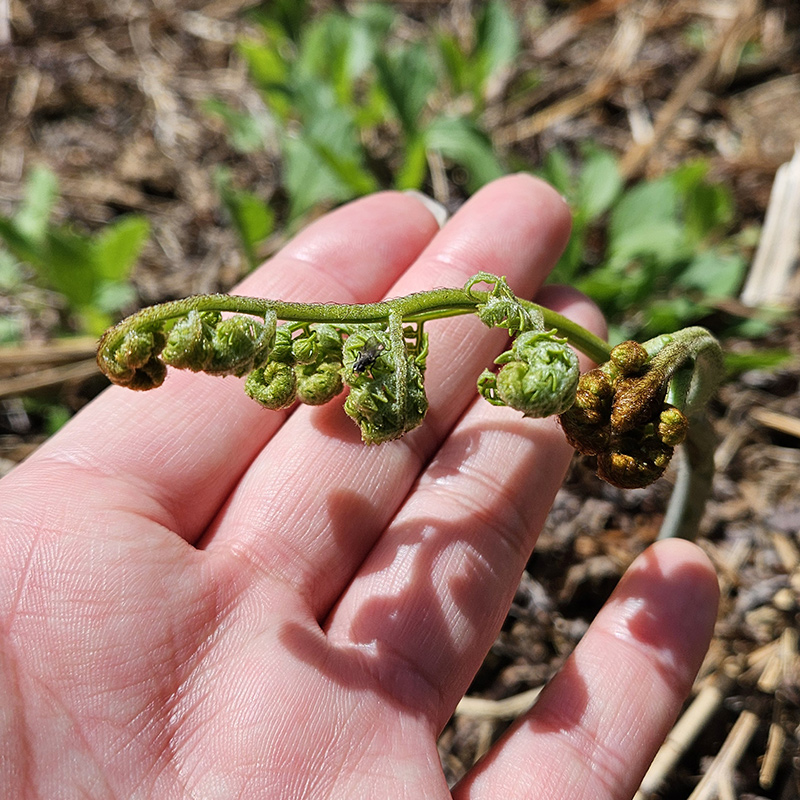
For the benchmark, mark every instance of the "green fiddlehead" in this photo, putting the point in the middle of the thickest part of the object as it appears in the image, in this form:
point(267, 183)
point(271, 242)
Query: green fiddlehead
point(629, 413)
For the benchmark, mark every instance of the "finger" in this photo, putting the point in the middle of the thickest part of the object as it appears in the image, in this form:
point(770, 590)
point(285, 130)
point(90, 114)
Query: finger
point(436, 588)
point(340, 494)
point(597, 725)
point(174, 454)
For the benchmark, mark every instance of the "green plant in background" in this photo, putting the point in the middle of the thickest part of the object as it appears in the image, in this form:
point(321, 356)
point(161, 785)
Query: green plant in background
point(366, 100)
point(252, 219)
point(629, 413)
point(654, 255)
point(89, 271)
point(358, 108)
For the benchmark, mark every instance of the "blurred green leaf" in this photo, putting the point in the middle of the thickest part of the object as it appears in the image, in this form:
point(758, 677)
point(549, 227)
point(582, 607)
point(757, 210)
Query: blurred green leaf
point(117, 247)
point(67, 265)
point(557, 171)
point(707, 207)
point(461, 141)
point(457, 66)
point(716, 275)
point(325, 52)
point(309, 181)
point(111, 296)
point(599, 184)
point(408, 77)
point(41, 191)
point(663, 241)
point(414, 169)
point(766, 359)
point(10, 329)
point(497, 39)
point(11, 276)
point(289, 15)
point(86, 269)
point(252, 219)
point(645, 222)
point(669, 314)
point(645, 204)
point(23, 247)
point(247, 132)
point(270, 71)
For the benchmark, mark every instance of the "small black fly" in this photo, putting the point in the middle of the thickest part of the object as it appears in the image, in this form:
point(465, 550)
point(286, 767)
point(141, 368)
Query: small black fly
point(368, 355)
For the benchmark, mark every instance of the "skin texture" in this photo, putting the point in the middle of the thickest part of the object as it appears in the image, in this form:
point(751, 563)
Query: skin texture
point(203, 599)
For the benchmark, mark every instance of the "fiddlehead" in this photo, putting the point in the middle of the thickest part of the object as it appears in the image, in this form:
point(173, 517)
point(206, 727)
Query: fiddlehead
point(385, 376)
point(539, 376)
point(629, 413)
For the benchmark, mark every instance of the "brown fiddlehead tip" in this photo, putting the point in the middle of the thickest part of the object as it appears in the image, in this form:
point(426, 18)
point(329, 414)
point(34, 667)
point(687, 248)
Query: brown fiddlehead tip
point(621, 417)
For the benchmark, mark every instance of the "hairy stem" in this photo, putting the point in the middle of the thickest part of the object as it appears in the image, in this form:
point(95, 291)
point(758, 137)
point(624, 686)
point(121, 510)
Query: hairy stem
point(419, 307)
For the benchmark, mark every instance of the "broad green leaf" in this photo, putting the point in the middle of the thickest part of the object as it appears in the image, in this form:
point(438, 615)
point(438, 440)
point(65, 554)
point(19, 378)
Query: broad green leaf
point(459, 139)
point(330, 131)
point(664, 241)
point(68, 266)
point(708, 209)
point(715, 274)
point(599, 184)
point(408, 78)
point(706, 206)
point(308, 180)
point(643, 205)
point(111, 296)
point(23, 247)
point(323, 54)
point(118, 246)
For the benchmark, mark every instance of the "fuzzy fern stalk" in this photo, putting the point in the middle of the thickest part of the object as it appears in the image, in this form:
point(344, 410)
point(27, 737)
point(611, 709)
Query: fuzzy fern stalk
point(628, 414)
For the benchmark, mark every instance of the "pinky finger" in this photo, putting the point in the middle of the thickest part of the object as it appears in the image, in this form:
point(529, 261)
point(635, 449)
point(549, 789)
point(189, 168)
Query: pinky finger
point(597, 725)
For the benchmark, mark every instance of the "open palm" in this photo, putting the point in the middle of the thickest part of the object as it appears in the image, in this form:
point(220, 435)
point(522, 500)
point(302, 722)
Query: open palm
point(203, 599)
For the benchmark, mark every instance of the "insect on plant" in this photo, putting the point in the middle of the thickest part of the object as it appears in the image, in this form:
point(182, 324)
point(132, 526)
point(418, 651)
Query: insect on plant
point(368, 355)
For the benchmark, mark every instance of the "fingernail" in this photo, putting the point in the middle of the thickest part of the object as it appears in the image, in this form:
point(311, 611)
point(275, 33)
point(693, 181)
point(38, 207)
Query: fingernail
point(440, 213)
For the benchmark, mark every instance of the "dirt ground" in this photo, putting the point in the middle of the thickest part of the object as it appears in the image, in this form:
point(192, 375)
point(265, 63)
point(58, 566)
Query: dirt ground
point(108, 95)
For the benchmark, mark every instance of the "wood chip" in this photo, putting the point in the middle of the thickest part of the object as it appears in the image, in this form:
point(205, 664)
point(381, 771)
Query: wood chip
point(779, 248)
point(507, 708)
point(22, 384)
point(776, 420)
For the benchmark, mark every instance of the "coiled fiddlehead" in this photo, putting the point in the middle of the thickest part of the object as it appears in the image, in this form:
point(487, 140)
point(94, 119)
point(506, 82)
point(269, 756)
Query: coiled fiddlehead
point(629, 413)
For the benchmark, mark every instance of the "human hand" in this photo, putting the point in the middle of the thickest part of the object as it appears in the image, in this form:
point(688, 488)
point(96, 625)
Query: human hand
point(199, 598)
